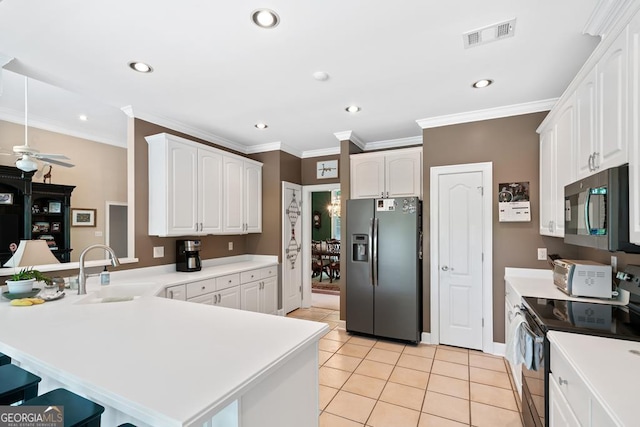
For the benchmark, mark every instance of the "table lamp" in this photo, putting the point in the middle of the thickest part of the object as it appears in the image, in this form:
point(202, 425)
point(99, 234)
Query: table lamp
point(30, 253)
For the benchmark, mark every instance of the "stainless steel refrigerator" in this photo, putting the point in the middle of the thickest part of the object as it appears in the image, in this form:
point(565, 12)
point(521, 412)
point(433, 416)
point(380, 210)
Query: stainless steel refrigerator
point(384, 280)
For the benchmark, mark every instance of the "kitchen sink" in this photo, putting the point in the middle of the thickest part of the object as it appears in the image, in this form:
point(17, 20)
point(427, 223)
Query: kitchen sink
point(118, 293)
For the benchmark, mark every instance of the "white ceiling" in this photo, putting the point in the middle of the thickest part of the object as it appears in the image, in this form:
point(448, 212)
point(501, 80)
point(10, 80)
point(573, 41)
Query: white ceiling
point(217, 74)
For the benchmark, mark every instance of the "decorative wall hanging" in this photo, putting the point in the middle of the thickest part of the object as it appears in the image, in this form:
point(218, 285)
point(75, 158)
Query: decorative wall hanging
point(327, 169)
point(294, 247)
point(513, 202)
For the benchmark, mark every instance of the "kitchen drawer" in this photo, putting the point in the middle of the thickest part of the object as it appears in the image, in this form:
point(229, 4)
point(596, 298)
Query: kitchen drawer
point(571, 386)
point(269, 272)
point(224, 282)
point(250, 276)
point(200, 288)
point(177, 292)
point(203, 299)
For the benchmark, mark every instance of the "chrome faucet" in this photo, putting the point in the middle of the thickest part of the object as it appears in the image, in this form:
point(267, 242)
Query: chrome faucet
point(82, 277)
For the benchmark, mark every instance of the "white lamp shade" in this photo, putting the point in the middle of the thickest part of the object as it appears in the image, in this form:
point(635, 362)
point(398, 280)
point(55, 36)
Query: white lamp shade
point(26, 164)
point(30, 253)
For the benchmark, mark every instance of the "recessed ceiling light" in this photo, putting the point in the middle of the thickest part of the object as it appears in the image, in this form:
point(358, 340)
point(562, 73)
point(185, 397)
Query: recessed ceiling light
point(83, 117)
point(321, 76)
point(261, 126)
point(352, 109)
point(140, 67)
point(265, 18)
point(482, 83)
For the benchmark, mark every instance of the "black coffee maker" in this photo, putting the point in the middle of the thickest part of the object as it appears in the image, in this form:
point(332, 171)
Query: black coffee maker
point(188, 255)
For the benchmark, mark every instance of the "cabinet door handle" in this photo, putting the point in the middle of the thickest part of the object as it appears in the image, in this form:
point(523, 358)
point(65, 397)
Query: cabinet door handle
point(171, 294)
point(561, 381)
point(204, 287)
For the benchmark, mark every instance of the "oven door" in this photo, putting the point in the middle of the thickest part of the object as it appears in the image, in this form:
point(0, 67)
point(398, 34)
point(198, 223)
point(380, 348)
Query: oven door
point(534, 382)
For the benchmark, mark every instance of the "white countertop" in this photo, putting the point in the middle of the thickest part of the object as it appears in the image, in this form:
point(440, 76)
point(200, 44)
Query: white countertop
point(165, 362)
point(539, 284)
point(607, 367)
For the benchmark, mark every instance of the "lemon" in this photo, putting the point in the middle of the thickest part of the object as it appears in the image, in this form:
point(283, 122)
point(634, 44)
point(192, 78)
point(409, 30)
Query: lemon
point(22, 302)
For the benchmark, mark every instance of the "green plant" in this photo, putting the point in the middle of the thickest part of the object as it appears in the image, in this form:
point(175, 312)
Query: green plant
point(30, 273)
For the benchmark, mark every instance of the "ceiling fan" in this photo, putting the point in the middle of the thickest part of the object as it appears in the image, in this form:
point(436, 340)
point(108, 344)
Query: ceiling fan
point(27, 156)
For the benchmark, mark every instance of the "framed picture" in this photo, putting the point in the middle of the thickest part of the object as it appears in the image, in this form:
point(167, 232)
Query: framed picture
point(327, 169)
point(83, 217)
point(40, 227)
point(6, 198)
point(55, 207)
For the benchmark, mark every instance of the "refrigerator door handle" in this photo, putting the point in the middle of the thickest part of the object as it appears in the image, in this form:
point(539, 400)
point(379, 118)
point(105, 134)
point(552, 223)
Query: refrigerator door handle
point(375, 252)
point(370, 256)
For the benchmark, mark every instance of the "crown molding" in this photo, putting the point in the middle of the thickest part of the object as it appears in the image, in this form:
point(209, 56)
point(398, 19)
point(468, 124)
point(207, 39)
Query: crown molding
point(394, 143)
point(605, 15)
point(128, 110)
point(321, 152)
point(350, 135)
point(187, 129)
point(488, 114)
point(12, 116)
point(273, 146)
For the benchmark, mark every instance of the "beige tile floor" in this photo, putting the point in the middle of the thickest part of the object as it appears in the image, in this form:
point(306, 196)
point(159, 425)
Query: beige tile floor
point(366, 382)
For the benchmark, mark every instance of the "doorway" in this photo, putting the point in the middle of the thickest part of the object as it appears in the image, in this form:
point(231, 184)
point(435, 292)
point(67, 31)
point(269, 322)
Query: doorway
point(461, 256)
point(116, 228)
point(321, 245)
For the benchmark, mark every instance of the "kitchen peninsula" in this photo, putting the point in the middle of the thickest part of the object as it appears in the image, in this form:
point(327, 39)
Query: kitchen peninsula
point(158, 362)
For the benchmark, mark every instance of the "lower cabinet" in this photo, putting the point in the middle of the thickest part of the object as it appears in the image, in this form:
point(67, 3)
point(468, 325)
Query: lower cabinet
point(571, 402)
point(259, 295)
point(253, 290)
point(560, 413)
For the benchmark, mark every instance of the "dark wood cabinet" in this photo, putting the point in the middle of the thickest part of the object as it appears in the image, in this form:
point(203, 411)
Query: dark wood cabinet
point(34, 210)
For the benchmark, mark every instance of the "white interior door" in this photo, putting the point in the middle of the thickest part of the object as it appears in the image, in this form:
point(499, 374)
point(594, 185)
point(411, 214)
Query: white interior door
point(291, 246)
point(460, 254)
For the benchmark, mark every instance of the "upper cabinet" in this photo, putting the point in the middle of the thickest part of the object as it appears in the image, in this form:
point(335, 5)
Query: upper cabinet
point(242, 195)
point(594, 127)
point(393, 173)
point(556, 144)
point(193, 192)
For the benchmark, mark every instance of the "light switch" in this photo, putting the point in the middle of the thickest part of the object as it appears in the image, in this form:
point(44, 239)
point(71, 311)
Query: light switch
point(230, 246)
point(98, 233)
point(158, 251)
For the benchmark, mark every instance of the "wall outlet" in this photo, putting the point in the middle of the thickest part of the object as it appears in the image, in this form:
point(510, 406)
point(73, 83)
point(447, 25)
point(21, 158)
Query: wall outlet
point(614, 263)
point(158, 251)
point(97, 233)
point(230, 246)
point(542, 254)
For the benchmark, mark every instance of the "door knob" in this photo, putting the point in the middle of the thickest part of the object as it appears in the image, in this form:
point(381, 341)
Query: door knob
point(445, 268)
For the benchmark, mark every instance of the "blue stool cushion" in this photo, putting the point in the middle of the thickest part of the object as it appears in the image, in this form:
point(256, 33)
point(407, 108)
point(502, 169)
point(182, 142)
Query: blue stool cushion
point(78, 411)
point(4, 359)
point(17, 384)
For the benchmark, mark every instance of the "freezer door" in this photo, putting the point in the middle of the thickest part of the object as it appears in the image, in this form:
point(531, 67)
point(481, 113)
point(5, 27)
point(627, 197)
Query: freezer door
point(359, 286)
point(397, 301)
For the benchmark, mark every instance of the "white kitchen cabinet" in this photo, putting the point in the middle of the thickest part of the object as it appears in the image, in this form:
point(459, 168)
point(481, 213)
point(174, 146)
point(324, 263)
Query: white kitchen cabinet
point(612, 103)
point(557, 143)
point(203, 299)
point(393, 173)
point(585, 125)
point(633, 129)
point(196, 190)
point(242, 196)
point(560, 413)
point(229, 298)
point(178, 292)
point(571, 402)
point(259, 290)
point(601, 104)
point(512, 301)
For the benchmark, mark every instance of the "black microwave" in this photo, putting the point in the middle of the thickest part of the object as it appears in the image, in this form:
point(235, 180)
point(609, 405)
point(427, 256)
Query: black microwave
point(596, 211)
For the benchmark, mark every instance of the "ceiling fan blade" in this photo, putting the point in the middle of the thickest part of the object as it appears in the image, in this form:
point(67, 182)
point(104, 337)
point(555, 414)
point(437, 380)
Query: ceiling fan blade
point(50, 156)
point(56, 162)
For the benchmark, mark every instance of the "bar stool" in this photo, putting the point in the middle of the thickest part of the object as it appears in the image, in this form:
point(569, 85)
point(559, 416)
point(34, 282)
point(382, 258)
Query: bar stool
point(16, 384)
point(78, 411)
point(4, 359)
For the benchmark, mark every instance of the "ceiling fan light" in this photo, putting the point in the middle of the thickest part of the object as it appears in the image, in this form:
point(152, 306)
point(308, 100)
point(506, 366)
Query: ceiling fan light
point(25, 164)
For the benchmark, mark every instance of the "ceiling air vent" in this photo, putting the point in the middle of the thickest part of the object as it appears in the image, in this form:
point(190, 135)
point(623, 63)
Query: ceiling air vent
point(489, 34)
